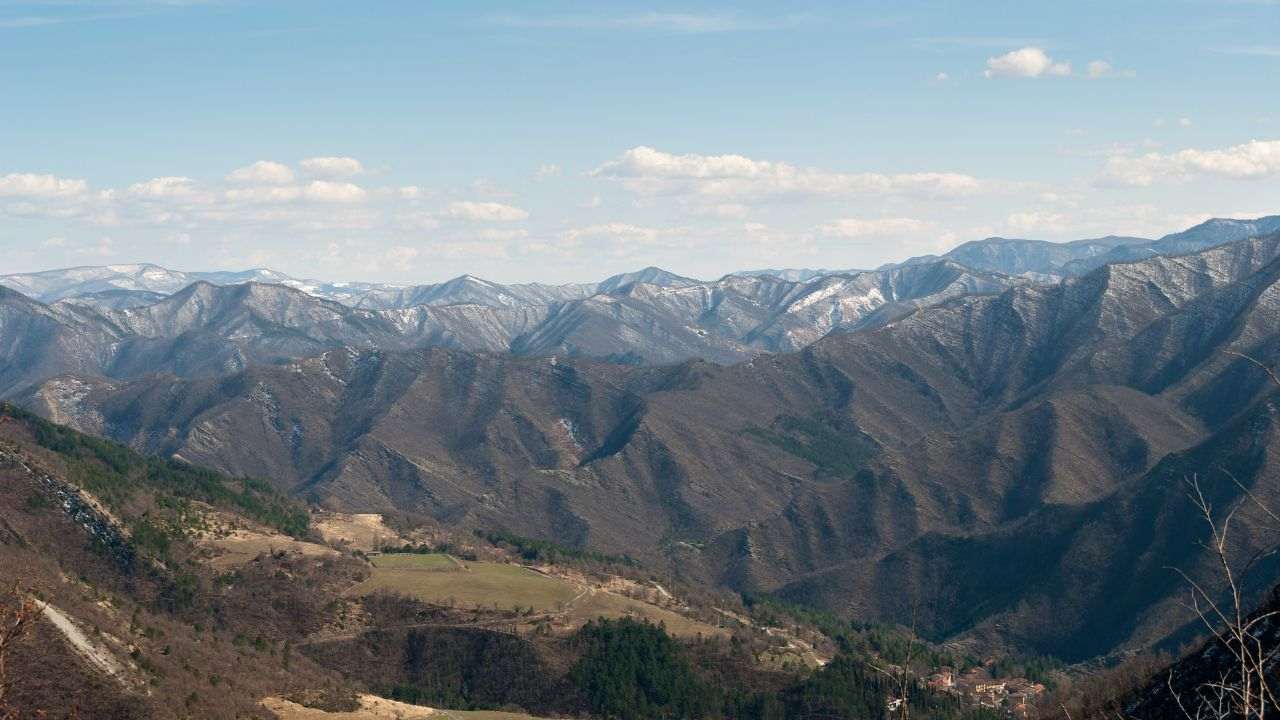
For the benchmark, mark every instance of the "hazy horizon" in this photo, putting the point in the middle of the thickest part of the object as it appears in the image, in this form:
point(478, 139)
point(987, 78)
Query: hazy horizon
point(410, 143)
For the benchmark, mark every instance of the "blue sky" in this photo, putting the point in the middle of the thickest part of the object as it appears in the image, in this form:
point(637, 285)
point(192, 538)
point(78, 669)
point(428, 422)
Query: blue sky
point(414, 141)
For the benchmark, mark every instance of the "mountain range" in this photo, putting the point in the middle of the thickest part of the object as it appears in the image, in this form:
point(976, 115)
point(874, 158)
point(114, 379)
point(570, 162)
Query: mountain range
point(121, 321)
point(1003, 451)
point(121, 286)
point(1044, 260)
point(650, 317)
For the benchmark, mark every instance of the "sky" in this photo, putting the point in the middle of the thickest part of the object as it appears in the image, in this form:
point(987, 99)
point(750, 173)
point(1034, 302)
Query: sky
point(566, 141)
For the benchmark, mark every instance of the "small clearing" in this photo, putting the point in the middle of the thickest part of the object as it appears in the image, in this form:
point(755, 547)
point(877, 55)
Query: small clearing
point(230, 542)
point(239, 547)
point(360, 531)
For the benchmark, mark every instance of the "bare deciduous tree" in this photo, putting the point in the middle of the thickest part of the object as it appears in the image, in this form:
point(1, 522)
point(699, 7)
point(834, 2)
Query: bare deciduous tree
point(903, 677)
point(1244, 689)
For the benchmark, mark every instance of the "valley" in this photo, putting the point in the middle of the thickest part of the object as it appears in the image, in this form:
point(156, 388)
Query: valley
point(605, 361)
point(181, 616)
point(956, 442)
point(941, 471)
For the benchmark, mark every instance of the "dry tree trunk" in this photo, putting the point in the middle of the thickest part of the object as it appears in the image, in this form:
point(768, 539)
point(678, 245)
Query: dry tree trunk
point(1244, 691)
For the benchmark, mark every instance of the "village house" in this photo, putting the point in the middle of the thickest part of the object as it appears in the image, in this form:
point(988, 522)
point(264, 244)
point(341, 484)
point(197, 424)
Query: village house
point(943, 680)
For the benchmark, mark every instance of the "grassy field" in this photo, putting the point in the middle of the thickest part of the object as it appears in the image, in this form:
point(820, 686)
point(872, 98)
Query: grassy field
point(438, 578)
point(609, 605)
point(409, 561)
point(483, 715)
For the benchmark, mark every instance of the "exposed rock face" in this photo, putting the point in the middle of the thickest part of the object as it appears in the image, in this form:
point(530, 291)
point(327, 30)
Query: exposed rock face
point(102, 530)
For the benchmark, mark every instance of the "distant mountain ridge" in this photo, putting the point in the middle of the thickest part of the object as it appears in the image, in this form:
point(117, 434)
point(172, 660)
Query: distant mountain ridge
point(122, 286)
point(648, 317)
point(1050, 261)
point(144, 281)
point(121, 321)
point(1030, 257)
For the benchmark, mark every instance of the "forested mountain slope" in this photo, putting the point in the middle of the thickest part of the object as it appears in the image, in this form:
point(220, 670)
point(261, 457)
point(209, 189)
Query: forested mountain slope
point(934, 457)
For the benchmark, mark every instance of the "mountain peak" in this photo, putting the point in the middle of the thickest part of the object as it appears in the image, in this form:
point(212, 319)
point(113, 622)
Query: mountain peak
point(651, 275)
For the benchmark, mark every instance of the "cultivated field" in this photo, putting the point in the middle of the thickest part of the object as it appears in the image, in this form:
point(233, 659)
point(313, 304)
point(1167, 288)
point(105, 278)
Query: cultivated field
point(439, 578)
point(599, 604)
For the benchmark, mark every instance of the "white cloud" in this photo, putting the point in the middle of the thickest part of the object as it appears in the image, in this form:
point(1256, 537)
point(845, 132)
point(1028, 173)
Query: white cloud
point(547, 170)
point(103, 248)
point(1251, 160)
point(164, 187)
point(318, 191)
point(1041, 221)
point(649, 171)
point(470, 251)
point(941, 77)
point(1027, 62)
point(334, 192)
point(1184, 122)
point(485, 212)
point(401, 256)
point(342, 218)
point(418, 220)
point(487, 188)
point(409, 192)
point(331, 167)
point(762, 237)
point(1102, 69)
point(263, 172)
point(264, 194)
point(39, 186)
point(618, 237)
point(495, 235)
point(724, 210)
point(647, 162)
point(854, 228)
